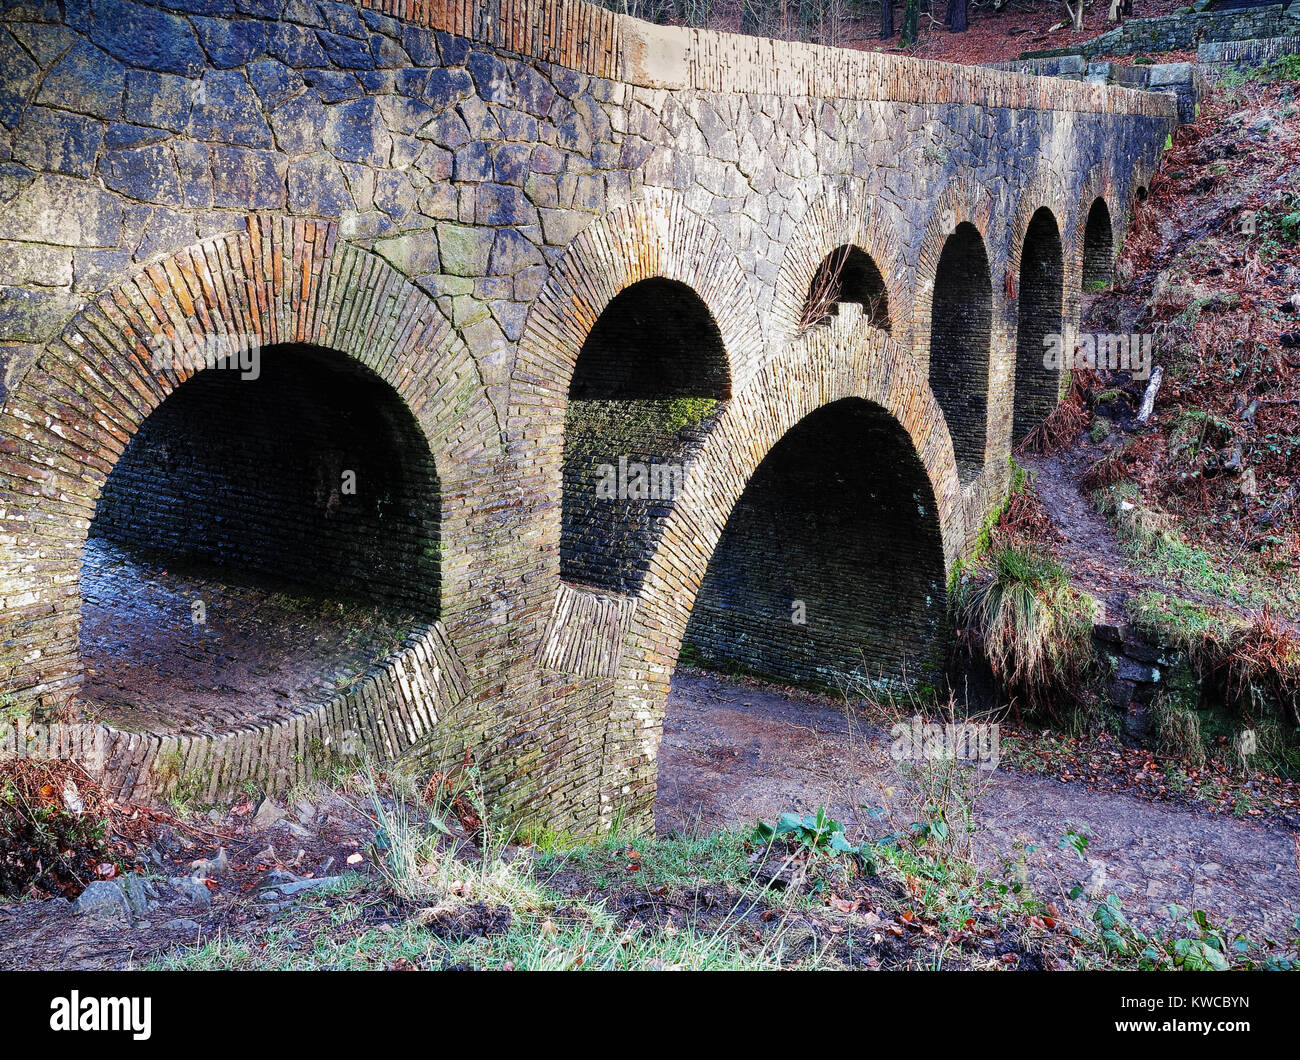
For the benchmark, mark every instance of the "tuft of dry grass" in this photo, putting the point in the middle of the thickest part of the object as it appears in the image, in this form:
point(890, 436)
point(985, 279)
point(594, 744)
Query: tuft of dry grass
point(1071, 415)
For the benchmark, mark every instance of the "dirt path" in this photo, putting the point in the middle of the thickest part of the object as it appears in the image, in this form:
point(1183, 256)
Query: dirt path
point(734, 752)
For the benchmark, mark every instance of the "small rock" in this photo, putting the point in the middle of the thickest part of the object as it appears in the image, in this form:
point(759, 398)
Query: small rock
point(193, 890)
point(182, 924)
point(267, 814)
point(102, 898)
point(212, 866)
point(306, 811)
point(306, 885)
point(139, 892)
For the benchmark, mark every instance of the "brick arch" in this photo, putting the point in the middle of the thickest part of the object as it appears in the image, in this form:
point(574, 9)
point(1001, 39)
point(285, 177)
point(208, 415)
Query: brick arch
point(1042, 195)
point(1099, 184)
point(966, 202)
point(963, 201)
point(75, 410)
point(843, 216)
point(828, 364)
point(655, 237)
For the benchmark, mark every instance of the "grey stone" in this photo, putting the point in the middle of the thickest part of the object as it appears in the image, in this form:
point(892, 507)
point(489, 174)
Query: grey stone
point(103, 898)
point(511, 253)
point(159, 100)
point(464, 251)
point(58, 141)
point(501, 204)
point(85, 80)
point(299, 124)
point(147, 174)
point(411, 254)
point(354, 132)
point(231, 42)
point(317, 187)
point(140, 893)
point(446, 87)
point(447, 130)
point(267, 814)
point(250, 180)
point(295, 46)
point(274, 82)
point(146, 37)
point(63, 211)
point(471, 163)
point(227, 111)
point(192, 890)
point(346, 52)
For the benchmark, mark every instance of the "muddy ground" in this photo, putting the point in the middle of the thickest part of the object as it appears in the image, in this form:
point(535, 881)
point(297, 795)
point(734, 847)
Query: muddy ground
point(734, 752)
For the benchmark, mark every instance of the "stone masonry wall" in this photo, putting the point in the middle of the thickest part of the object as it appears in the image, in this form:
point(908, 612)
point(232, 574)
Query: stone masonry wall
point(451, 194)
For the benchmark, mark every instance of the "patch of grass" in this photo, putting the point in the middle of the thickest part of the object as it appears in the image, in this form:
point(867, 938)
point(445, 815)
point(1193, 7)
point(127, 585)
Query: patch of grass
point(1185, 624)
point(1178, 731)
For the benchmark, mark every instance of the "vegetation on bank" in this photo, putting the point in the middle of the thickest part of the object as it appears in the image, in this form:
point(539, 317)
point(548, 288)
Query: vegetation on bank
point(787, 894)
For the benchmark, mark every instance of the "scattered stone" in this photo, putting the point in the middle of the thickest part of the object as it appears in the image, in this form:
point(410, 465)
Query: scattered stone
point(193, 890)
point(267, 814)
point(103, 898)
point(212, 866)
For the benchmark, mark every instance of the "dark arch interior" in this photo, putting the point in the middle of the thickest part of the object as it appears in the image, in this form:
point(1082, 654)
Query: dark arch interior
point(1098, 246)
point(847, 274)
point(1042, 282)
point(840, 517)
point(961, 324)
point(299, 509)
point(648, 385)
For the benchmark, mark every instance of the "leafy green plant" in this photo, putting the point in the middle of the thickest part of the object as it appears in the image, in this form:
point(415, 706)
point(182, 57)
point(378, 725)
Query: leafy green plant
point(816, 833)
point(1193, 943)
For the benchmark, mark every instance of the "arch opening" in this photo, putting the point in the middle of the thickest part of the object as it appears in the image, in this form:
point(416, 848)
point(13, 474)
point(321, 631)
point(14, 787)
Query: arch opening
point(1098, 247)
point(847, 275)
point(264, 539)
point(1039, 315)
point(830, 567)
point(961, 326)
point(649, 384)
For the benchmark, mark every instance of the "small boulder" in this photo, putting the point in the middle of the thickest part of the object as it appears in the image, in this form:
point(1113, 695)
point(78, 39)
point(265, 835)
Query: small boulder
point(103, 898)
point(267, 814)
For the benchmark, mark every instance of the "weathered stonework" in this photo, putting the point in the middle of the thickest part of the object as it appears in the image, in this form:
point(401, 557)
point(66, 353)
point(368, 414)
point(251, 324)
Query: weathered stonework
point(451, 195)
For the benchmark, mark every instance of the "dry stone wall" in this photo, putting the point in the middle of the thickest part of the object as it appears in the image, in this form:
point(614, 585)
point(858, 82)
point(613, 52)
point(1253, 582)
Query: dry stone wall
point(451, 194)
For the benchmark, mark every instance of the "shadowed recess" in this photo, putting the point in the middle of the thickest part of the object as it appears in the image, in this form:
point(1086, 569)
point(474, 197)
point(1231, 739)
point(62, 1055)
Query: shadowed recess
point(313, 474)
point(1098, 246)
point(648, 385)
point(262, 541)
point(1042, 278)
point(961, 323)
point(847, 274)
point(830, 567)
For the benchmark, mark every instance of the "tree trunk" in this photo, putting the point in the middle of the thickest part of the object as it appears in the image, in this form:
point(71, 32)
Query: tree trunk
point(886, 19)
point(956, 19)
point(911, 17)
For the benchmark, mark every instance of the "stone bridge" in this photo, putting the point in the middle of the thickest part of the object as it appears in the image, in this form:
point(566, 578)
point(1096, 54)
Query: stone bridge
point(567, 342)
